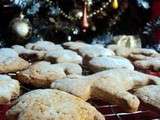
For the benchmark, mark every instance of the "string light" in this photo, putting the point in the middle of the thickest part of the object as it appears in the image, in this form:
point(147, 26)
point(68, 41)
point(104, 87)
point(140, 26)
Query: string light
point(112, 21)
point(94, 13)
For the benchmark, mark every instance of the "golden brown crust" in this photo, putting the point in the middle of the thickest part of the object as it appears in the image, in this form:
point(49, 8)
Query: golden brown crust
point(149, 64)
point(43, 46)
point(98, 64)
point(42, 74)
point(111, 86)
point(29, 54)
point(51, 104)
point(63, 56)
point(9, 89)
point(149, 95)
point(10, 61)
point(133, 53)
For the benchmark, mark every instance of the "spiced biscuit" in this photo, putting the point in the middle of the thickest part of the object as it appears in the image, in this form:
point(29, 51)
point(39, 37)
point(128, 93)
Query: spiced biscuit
point(29, 54)
point(48, 104)
point(63, 56)
point(110, 86)
point(143, 53)
point(10, 61)
point(149, 95)
point(43, 46)
point(109, 62)
point(93, 51)
point(148, 64)
point(133, 53)
point(75, 46)
point(85, 49)
point(42, 74)
point(9, 89)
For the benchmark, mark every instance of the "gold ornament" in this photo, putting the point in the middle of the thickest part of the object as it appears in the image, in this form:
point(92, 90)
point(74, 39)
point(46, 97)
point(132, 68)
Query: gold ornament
point(20, 28)
point(115, 4)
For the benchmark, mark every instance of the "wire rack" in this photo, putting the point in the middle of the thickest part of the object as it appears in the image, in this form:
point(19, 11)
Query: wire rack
point(112, 112)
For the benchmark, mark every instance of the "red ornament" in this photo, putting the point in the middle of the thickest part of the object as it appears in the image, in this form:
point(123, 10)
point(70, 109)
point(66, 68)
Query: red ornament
point(85, 23)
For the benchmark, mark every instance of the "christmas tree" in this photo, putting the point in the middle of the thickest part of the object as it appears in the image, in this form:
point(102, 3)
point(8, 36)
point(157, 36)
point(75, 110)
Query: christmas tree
point(66, 20)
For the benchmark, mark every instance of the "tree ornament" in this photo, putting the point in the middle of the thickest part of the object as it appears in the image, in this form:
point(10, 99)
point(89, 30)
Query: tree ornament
point(21, 3)
point(115, 4)
point(33, 9)
point(90, 2)
point(143, 3)
point(85, 24)
point(20, 28)
point(79, 14)
point(54, 10)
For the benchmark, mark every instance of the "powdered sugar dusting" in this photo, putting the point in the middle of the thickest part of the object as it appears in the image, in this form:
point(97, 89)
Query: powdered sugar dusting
point(7, 55)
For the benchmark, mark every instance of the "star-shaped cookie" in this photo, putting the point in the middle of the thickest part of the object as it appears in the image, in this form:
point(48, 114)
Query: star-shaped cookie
point(111, 86)
point(43, 73)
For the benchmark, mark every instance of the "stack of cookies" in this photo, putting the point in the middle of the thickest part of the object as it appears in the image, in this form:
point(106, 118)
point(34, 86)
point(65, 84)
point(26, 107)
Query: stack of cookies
point(60, 89)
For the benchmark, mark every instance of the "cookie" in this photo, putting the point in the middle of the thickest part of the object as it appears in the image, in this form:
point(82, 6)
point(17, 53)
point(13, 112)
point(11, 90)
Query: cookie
point(148, 64)
point(93, 51)
point(63, 56)
point(110, 62)
point(88, 51)
point(149, 95)
point(50, 104)
point(110, 86)
point(29, 54)
point(133, 53)
point(43, 46)
point(75, 45)
point(10, 61)
point(42, 74)
point(9, 89)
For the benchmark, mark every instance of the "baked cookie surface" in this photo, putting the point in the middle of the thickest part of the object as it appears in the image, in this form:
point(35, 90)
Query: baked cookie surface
point(95, 51)
point(133, 53)
point(43, 46)
point(111, 86)
point(110, 62)
point(10, 61)
point(149, 64)
point(29, 54)
point(63, 56)
point(51, 104)
point(9, 89)
point(75, 45)
point(42, 74)
point(149, 95)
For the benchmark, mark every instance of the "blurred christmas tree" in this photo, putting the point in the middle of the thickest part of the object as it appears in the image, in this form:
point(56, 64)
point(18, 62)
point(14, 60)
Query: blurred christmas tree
point(65, 20)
